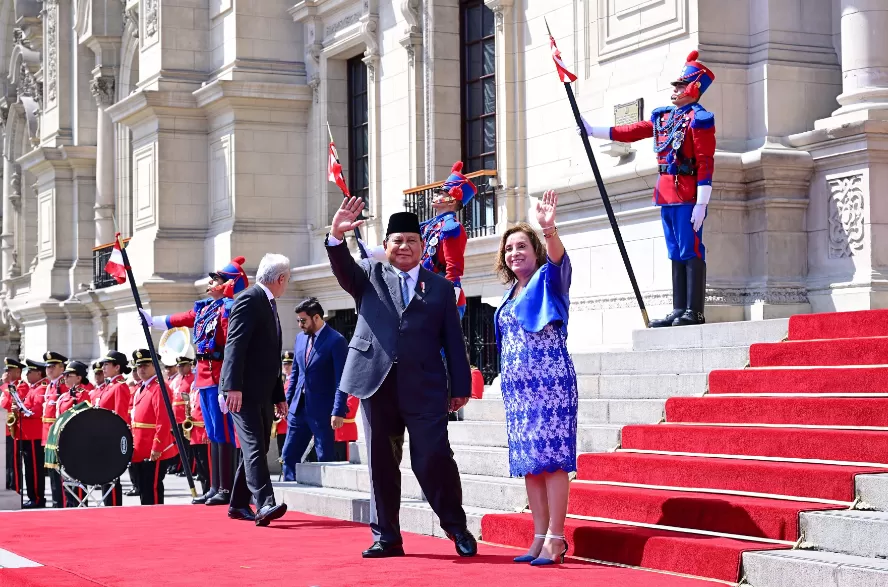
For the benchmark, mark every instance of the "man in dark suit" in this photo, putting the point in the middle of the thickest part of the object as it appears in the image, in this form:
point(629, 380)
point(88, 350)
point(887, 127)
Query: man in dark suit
point(406, 316)
point(254, 391)
point(317, 406)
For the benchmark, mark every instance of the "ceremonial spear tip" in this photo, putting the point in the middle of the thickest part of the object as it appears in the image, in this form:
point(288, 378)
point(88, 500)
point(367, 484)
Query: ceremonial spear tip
point(548, 30)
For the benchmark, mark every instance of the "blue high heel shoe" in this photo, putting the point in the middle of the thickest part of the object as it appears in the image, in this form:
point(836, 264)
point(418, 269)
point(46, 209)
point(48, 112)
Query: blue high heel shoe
point(528, 558)
point(541, 562)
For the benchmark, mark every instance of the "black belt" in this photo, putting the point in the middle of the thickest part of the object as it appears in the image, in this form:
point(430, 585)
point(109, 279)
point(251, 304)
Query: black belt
point(212, 357)
point(688, 167)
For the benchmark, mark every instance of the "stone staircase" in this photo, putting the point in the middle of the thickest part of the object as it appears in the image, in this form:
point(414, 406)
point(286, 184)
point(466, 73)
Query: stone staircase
point(615, 387)
point(841, 548)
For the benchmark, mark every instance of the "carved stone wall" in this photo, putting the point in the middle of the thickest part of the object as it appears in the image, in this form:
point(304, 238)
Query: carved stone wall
point(846, 216)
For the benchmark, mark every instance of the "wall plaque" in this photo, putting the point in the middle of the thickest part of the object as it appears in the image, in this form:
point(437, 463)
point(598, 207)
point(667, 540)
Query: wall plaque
point(629, 113)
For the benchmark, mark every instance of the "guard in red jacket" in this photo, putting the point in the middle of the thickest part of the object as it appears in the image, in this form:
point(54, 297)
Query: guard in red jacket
point(55, 371)
point(684, 140)
point(12, 380)
point(154, 447)
point(114, 394)
point(32, 434)
point(209, 319)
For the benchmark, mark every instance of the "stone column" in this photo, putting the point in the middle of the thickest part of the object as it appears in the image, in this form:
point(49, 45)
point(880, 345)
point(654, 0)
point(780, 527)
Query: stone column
point(864, 57)
point(103, 90)
point(8, 236)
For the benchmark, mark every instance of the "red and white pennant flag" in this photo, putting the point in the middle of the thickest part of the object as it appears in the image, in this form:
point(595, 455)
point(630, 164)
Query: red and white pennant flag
point(565, 75)
point(334, 170)
point(115, 266)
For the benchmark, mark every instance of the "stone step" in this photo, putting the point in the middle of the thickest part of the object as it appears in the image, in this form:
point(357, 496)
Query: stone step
point(416, 516)
point(642, 386)
point(501, 493)
point(860, 533)
point(873, 490)
point(812, 568)
point(590, 438)
point(484, 460)
point(661, 362)
point(590, 411)
point(723, 334)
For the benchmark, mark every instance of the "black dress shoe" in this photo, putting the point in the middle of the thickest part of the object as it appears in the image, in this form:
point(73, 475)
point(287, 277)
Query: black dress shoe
point(31, 505)
point(132, 492)
point(690, 318)
point(241, 514)
point(669, 320)
point(221, 498)
point(270, 512)
point(465, 543)
point(382, 549)
point(202, 499)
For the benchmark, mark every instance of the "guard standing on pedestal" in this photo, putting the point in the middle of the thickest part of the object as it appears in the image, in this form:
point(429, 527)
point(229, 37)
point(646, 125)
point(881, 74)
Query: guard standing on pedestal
point(684, 140)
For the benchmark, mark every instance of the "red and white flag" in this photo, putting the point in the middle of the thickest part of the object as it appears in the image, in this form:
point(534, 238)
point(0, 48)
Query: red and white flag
point(334, 170)
point(115, 266)
point(563, 73)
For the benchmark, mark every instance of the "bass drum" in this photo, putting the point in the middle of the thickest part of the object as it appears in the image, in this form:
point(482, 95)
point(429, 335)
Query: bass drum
point(94, 444)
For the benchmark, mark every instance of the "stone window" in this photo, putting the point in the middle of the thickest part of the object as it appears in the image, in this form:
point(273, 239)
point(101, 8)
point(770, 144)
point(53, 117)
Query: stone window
point(478, 70)
point(358, 129)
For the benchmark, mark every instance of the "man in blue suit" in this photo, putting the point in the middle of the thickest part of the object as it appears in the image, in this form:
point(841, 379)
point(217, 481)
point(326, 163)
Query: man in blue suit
point(317, 407)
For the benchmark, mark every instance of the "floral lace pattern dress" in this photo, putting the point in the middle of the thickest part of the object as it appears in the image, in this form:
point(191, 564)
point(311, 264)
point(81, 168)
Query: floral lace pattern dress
point(539, 386)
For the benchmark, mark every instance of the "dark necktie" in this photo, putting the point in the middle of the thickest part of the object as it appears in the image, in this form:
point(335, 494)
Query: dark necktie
point(277, 320)
point(308, 347)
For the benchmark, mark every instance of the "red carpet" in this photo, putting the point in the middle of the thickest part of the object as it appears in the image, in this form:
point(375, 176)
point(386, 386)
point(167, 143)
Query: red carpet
point(731, 514)
point(831, 380)
point(834, 482)
point(839, 325)
point(815, 353)
point(195, 546)
point(826, 411)
point(713, 426)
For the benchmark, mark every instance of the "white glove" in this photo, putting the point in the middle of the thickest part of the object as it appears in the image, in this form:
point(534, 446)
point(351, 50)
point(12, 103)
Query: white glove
point(223, 405)
point(157, 322)
point(698, 214)
point(596, 132)
point(457, 291)
point(376, 253)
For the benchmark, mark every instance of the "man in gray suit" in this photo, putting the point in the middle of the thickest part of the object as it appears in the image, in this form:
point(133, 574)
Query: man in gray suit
point(406, 316)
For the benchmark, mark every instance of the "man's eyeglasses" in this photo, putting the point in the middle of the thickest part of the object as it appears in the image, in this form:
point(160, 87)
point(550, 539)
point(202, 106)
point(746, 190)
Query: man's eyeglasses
point(302, 320)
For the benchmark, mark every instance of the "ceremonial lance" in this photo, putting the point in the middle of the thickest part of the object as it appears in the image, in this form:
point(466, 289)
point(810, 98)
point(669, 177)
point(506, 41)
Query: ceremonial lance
point(118, 266)
point(567, 77)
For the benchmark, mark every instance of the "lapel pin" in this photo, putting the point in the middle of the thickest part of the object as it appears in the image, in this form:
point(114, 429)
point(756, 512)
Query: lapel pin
point(422, 287)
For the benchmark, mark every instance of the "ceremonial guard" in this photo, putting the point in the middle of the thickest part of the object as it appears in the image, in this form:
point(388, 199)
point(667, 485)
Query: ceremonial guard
point(114, 395)
point(180, 387)
point(684, 140)
point(154, 447)
point(32, 433)
point(444, 237)
point(76, 378)
point(55, 371)
point(12, 381)
point(209, 319)
point(348, 432)
point(279, 428)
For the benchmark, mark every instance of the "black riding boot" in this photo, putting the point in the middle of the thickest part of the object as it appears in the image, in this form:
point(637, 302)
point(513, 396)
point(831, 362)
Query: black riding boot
point(223, 463)
point(679, 295)
point(696, 294)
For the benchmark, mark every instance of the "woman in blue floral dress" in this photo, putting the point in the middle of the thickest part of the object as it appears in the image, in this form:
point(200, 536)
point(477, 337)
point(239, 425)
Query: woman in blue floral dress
point(537, 375)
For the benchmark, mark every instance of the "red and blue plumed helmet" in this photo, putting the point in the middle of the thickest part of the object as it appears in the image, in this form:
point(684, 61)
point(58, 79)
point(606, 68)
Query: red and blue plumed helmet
point(696, 75)
point(458, 186)
point(235, 272)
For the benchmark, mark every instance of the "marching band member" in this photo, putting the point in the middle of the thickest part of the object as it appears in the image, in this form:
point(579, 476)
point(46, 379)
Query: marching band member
point(76, 375)
point(55, 371)
point(209, 319)
point(180, 387)
point(684, 142)
point(98, 374)
point(114, 395)
point(32, 432)
point(153, 445)
point(12, 377)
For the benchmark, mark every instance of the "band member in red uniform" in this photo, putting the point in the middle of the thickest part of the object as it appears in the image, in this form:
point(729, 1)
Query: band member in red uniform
point(114, 395)
point(684, 141)
point(12, 378)
point(76, 376)
point(348, 432)
point(209, 319)
point(98, 374)
point(55, 371)
point(153, 445)
point(32, 432)
point(180, 387)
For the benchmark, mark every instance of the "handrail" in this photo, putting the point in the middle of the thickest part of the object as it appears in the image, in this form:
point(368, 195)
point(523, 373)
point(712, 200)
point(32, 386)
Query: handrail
point(100, 247)
point(474, 174)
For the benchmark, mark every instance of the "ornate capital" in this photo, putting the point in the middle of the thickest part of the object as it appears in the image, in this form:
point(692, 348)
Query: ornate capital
point(499, 8)
point(369, 34)
point(410, 9)
point(102, 89)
